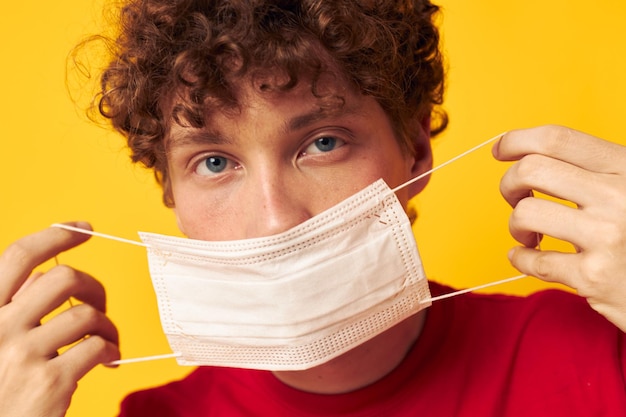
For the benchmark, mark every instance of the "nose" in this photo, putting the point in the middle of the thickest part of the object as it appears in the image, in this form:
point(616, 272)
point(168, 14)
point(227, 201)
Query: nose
point(274, 205)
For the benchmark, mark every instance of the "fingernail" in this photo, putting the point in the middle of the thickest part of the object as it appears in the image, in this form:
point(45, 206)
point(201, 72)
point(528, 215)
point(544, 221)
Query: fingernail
point(511, 253)
point(83, 225)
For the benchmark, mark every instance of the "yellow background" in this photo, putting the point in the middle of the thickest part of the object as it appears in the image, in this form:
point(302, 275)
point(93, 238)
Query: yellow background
point(511, 64)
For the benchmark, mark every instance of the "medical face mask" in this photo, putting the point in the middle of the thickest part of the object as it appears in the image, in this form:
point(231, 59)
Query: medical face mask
point(294, 300)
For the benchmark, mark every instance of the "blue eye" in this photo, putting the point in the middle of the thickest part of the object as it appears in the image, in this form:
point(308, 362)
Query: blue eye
point(325, 144)
point(216, 163)
point(212, 165)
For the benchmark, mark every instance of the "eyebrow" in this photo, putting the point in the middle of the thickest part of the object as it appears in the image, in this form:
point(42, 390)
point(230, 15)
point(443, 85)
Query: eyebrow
point(300, 122)
point(198, 136)
point(307, 119)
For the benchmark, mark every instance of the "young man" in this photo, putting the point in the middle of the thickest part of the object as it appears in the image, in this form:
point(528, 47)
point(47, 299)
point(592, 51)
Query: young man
point(257, 117)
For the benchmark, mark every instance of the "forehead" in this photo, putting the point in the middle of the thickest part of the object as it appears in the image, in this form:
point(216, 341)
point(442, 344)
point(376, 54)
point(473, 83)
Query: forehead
point(307, 102)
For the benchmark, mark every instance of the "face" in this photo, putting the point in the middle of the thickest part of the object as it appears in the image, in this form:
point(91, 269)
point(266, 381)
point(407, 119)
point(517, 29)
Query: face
point(281, 160)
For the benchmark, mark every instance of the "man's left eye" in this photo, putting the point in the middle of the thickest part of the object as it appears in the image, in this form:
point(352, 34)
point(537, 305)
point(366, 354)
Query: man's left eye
point(324, 144)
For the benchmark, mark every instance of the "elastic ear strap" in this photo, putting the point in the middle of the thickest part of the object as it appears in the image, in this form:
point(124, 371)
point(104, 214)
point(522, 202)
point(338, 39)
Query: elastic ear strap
point(144, 359)
point(92, 233)
point(448, 162)
point(478, 287)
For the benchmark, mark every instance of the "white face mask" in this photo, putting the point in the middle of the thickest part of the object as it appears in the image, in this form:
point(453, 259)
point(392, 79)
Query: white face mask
point(293, 300)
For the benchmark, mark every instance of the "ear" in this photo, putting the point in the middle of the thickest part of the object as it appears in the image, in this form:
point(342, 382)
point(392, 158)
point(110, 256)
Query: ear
point(168, 198)
point(423, 158)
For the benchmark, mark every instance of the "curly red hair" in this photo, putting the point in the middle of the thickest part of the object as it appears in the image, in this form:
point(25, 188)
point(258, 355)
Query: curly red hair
point(200, 49)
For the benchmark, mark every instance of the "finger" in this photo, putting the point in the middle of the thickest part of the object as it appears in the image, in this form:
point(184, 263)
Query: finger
point(554, 178)
point(19, 259)
point(71, 326)
point(548, 266)
point(565, 144)
point(84, 356)
point(53, 289)
point(26, 284)
point(589, 274)
point(535, 215)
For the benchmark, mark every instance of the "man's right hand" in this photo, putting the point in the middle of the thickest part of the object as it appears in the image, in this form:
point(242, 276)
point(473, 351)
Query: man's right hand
point(36, 381)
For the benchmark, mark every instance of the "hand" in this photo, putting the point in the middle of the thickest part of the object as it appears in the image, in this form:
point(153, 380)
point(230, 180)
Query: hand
point(584, 170)
point(34, 380)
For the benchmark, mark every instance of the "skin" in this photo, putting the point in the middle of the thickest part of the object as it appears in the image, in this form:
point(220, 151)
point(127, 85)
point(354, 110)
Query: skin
point(278, 179)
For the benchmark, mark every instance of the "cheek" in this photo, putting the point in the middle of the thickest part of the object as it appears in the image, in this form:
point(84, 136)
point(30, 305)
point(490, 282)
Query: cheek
point(391, 166)
point(185, 218)
point(396, 175)
point(199, 218)
point(202, 224)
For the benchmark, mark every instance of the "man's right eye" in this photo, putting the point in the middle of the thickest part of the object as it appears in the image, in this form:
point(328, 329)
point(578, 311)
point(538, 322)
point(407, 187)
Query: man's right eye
point(212, 165)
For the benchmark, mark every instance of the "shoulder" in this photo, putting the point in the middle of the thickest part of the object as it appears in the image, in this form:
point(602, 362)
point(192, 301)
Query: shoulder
point(546, 307)
point(169, 399)
point(546, 323)
point(562, 324)
point(540, 330)
point(550, 346)
point(220, 390)
point(554, 312)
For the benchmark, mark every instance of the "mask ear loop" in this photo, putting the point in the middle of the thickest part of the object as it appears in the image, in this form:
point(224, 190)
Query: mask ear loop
point(144, 359)
point(472, 289)
point(98, 234)
point(448, 162)
point(129, 241)
point(424, 174)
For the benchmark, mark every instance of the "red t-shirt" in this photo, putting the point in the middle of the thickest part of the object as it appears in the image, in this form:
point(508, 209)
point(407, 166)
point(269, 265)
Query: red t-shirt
point(548, 354)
